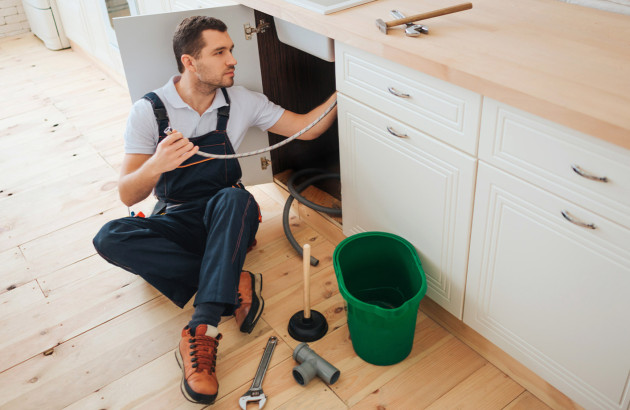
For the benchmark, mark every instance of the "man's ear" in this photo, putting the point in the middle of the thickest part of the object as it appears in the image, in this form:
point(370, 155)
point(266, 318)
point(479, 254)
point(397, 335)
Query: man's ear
point(189, 62)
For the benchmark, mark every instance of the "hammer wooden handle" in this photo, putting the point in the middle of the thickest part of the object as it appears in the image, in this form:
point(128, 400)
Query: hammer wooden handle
point(430, 14)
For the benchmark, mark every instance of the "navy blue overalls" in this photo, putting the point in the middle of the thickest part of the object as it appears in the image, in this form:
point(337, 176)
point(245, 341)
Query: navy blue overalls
point(199, 243)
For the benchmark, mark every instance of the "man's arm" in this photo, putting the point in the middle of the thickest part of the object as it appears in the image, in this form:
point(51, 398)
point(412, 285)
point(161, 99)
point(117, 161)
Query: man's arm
point(140, 172)
point(291, 123)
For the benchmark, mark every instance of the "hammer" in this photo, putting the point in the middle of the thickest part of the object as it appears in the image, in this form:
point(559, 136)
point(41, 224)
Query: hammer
point(384, 26)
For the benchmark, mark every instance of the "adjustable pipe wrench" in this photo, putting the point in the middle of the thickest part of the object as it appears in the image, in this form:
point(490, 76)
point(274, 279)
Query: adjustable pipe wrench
point(255, 392)
point(411, 29)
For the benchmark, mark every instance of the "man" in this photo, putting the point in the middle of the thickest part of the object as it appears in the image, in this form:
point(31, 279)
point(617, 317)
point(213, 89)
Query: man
point(198, 244)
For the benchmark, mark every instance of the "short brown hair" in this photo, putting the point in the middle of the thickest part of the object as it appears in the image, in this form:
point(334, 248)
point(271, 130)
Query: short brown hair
point(188, 39)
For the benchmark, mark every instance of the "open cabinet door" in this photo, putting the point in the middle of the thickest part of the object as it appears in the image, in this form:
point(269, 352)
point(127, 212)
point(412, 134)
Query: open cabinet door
point(146, 49)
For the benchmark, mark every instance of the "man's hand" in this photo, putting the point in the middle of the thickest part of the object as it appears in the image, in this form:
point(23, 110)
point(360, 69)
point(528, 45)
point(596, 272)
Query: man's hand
point(291, 123)
point(140, 172)
point(172, 152)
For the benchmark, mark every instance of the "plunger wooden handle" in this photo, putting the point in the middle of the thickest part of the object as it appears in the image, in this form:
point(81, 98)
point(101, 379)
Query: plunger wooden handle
point(306, 264)
point(430, 14)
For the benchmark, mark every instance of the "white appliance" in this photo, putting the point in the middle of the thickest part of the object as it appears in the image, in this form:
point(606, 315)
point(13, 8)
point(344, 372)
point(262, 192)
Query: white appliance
point(45, 21)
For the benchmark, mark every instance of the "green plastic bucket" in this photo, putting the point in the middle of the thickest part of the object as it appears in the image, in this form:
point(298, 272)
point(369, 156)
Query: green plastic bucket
point(381, 279)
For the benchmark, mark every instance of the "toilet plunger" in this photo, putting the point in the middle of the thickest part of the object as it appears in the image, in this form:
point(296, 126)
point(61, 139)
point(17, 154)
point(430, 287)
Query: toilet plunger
point(307, 325)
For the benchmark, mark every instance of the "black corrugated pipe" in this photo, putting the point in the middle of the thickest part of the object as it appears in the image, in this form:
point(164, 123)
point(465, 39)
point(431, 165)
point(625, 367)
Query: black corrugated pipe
point(295, 194)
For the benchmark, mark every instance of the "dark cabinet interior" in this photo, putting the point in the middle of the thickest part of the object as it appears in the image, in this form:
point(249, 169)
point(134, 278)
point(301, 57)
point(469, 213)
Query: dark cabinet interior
point(298, 82)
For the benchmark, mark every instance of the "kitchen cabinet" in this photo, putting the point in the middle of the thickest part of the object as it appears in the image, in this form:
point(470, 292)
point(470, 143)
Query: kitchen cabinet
point(549, 268)
point(86, 23)
point(442, 110)
point(579, 167)
point(398, 175)
point(539, 282)
point(76, 28)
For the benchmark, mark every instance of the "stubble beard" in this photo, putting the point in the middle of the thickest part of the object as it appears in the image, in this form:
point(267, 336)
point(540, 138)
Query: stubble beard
point(207, 87)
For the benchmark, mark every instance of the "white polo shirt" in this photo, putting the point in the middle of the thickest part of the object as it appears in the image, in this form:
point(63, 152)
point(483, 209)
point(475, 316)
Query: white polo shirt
point(248, 109)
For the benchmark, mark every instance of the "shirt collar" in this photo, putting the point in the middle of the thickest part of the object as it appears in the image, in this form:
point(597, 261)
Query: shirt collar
point(171, 94)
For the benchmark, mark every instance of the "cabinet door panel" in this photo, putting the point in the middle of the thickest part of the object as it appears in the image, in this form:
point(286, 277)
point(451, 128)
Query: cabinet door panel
point(442, 110)
point(75, 27)
point(147, 54)
point(415, 187)
point(552, 294)
point(545, 153)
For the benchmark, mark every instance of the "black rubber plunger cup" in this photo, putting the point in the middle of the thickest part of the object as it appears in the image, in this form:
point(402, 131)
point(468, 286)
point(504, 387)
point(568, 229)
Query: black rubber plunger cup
point(307, 325)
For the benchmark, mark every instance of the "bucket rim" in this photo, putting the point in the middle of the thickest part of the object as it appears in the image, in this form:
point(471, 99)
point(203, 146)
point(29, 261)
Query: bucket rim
point(415, 299)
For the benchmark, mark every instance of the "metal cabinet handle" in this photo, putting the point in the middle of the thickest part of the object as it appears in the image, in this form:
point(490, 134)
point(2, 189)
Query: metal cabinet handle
point(577, 222)
point(395, 134)
point(397, 93)
point(586, 175)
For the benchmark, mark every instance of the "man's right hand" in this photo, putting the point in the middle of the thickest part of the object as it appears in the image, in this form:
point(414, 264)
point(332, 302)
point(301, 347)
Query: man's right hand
point(172, 152)
point(140, 172)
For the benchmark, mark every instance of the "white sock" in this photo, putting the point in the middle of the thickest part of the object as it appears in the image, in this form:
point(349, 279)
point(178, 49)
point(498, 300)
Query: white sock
point(212, 331)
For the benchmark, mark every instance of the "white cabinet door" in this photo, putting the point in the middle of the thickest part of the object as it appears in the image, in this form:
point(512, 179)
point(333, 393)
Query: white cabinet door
point(415, 187)
point(153, 6)
point(179, 5)
point(147, 54)
point(74, 18)
point(550, 293)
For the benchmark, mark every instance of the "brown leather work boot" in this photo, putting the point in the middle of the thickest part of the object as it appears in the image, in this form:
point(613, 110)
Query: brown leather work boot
point(250, 300)
point(197, 357)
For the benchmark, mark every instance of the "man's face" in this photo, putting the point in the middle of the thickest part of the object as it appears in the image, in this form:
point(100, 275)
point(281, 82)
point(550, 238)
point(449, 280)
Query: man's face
point(215, 64)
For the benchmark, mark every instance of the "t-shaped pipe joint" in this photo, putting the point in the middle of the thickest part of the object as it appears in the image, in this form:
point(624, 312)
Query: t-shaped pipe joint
point(312, 365)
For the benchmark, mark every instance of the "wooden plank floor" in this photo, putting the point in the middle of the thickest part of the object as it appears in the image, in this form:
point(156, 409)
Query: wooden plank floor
point(78, 333)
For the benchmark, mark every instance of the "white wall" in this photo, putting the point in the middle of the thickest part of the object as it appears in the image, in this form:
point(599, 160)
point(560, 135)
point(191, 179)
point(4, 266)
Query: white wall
point(12, 18)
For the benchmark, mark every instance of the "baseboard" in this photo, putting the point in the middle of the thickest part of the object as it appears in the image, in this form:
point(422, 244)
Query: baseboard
point(110, 72)
point(504, 362)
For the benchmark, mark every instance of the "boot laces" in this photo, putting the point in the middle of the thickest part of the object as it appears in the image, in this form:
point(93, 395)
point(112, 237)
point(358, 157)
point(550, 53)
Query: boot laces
point(203, 350)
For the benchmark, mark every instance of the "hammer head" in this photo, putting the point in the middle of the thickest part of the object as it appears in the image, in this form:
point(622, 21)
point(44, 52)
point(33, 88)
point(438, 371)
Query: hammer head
point(381, 25)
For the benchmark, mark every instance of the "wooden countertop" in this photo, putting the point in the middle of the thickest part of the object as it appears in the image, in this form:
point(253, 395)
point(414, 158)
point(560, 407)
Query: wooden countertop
point(567, 63)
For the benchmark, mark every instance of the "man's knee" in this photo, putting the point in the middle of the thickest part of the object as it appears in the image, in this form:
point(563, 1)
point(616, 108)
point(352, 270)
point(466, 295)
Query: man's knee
point(235, 201)
point(235, 196)
point(105, 240)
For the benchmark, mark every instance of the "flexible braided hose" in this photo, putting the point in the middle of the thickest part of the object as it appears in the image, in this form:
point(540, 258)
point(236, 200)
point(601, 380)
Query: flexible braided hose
point(272, 147)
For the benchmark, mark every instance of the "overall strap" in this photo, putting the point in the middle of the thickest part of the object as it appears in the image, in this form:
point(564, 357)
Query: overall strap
point(224, 113)
point(159, 111)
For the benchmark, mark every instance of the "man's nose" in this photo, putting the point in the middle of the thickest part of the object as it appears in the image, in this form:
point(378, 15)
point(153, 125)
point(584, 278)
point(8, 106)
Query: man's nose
point(232, 60)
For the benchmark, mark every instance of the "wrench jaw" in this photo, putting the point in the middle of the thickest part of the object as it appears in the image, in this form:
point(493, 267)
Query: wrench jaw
point(251, 397)
point(414, 30)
